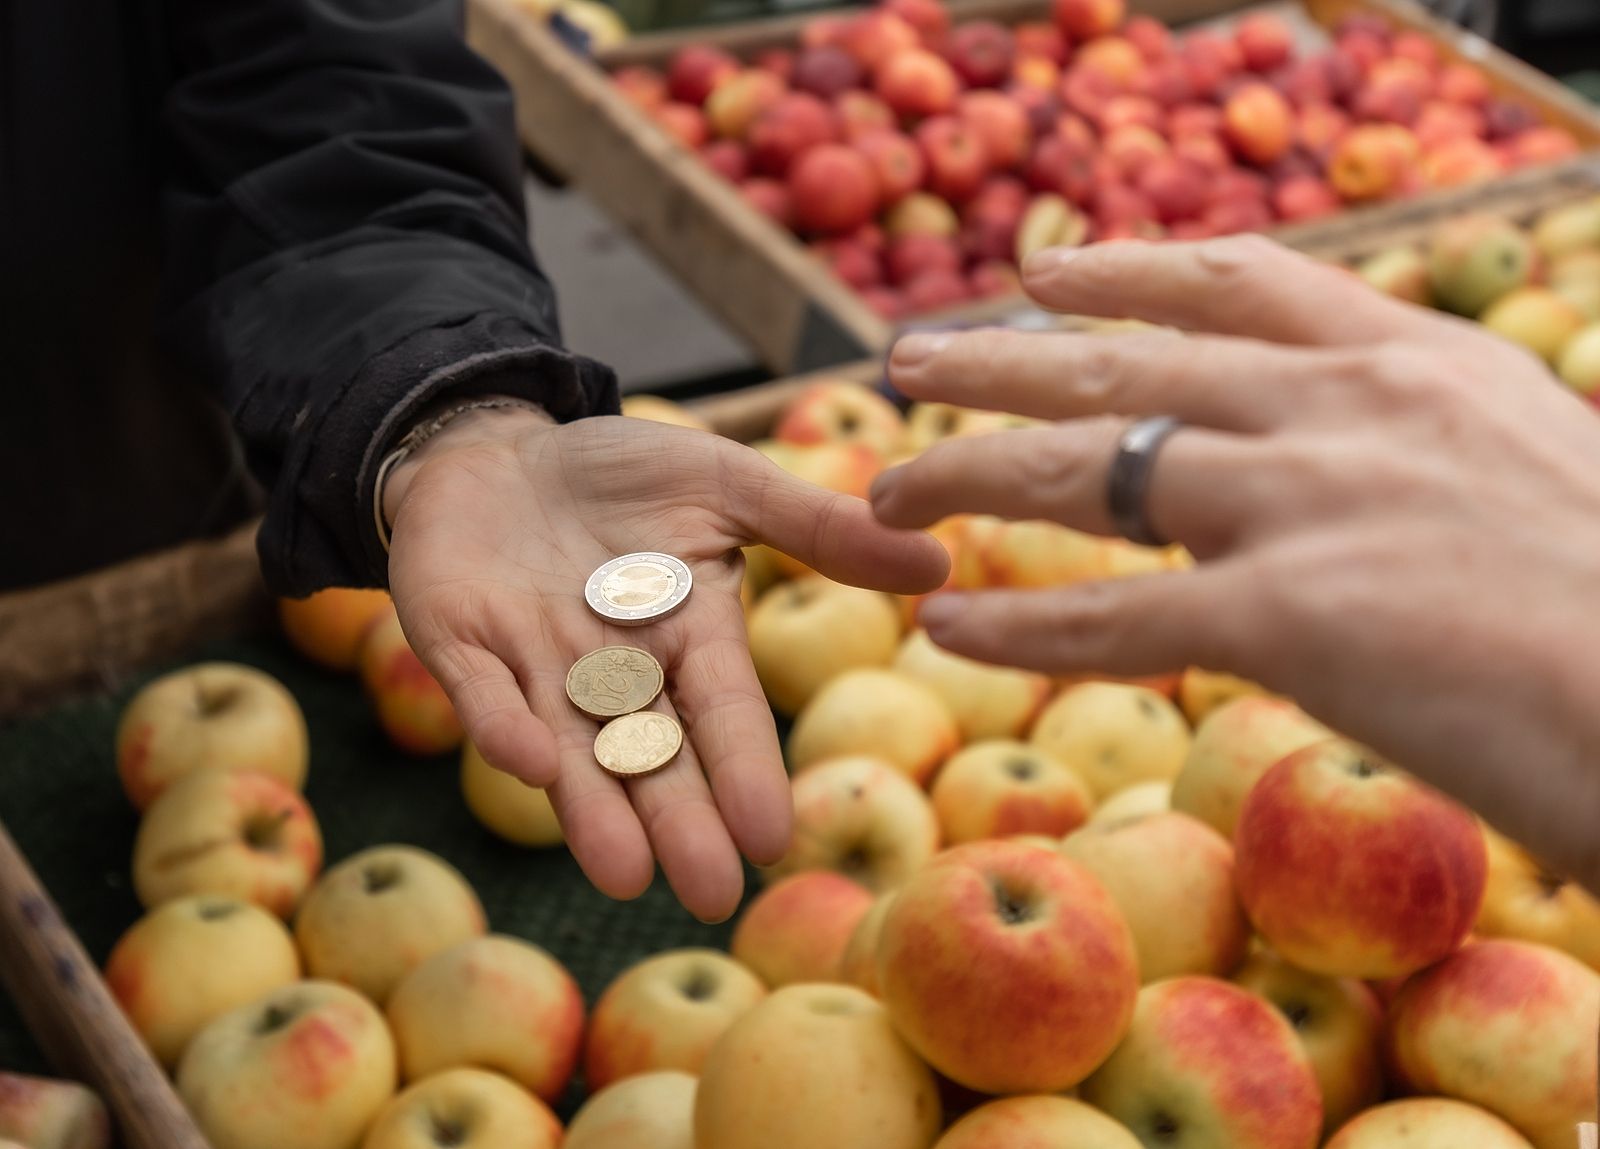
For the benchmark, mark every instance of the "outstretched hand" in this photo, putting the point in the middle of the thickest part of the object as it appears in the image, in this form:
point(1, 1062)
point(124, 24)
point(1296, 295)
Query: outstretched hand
point(498, 522)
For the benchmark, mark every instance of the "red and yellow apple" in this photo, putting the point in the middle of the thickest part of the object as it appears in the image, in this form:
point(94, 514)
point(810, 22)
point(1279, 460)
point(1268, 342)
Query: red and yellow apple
point(862, 818)
point(654, 1109)
point(464, 1109)
point(1114, 735)
point(879, 713)
point(797, 929)
point(1236, 744)
point(1036, 1122)
point(806, 632)
point(986, 701)
point(858, 965)
point(412, 707)
point(1427, 1123)
point(1135, 802)
point(1527, 902)
point(328, 626)
point(1000, 788)
point(507, 806)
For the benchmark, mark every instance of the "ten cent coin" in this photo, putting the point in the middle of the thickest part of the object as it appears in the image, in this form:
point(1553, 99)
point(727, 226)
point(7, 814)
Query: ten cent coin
point(638, 743)
point(638, 588)
point(614, 680)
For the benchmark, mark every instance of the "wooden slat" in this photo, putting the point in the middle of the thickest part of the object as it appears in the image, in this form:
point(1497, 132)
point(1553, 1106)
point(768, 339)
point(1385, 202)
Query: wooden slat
point(74, 1017)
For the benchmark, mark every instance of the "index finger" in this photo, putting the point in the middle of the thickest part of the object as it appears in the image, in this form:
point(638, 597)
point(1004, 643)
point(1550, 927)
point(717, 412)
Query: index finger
point(1242, 285)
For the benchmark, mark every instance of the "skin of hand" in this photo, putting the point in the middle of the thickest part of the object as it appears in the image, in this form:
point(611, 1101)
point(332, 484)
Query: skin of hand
point(498, 521)
point(1396, 514)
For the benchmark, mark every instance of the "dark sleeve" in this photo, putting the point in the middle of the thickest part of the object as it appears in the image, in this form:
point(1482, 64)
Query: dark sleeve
point(345, 244)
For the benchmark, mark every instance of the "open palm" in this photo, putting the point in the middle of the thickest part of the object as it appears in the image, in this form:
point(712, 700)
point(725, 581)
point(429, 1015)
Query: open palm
point(493, 541)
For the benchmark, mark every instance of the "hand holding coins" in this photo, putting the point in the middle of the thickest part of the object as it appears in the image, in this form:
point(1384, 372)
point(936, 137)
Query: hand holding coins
point(615, 683)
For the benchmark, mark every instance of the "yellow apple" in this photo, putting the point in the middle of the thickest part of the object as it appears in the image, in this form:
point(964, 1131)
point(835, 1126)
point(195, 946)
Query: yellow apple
point(1427, 1123)
point(495, 1002)
point(380, 913)
point(863, 818)
point(797, 929)
point(1339, 1022)
point(229, 833)
point(812, 1066)
point(308, 1065)
point(1138, 801)
point(1579, 364)
point(806, 632)
point(193, 959)
point(328, 626)
point(1114, 735)
point(666, 1012)
point(411, 706)
point(839, 411)
point(508, 807)
point(1526, 901)
point(41, 1113)
point(1002, 788)
point(1172, 877)
point(654, 1110)
point(859, 964)
point(1202, 691)
point(213, 716)
point(878, 713)
point(998, 553)
point(1036, 1122)
point(659, 410)
point(1234, 746)
point(465, 1109)
point(1536, 318)
point(1568, 227)
point(986, 701)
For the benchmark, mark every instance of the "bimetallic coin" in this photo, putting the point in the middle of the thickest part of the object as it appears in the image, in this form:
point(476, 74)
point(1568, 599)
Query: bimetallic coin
point(638, 588)
point(614, 680)
point(638, 743)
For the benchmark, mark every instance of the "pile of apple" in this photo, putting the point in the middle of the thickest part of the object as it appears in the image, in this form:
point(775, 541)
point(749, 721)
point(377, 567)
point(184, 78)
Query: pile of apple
point(922, 161)
point(1538, 286)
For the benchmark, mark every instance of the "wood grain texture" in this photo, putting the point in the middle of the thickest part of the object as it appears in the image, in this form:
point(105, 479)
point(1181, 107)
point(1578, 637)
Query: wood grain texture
point(73, 1016)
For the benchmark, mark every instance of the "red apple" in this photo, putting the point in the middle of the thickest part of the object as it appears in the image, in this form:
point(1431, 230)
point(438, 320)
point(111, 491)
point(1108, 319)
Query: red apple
point(1507, 118)
point(1001, 125)
point(770, 198)
point(1320, 128)
point(1304, 197)
point(834, 189)
point(862, 112)
point(1259, 123)
point(644, 87)
point(935, 291)
point(1075, 130)
point(796, 930)
point(1036, 38)
point(1417, 48)
point(1230, 218)
point(795, 123)
point(917, 83)
point(876, 37)
point(981, 52)
point(1265, 41)
point(1117, 204)
point(911, 256)
point(1035, 72)
point(1390, 99)
point(727, 158)
point(1061, 167)
point(1142, 229)
point(850, 261)
point(1194, 120)
point(1441, 121)
point(995, 278)
point(1239, 184)
point(1153, 38)
point(885, 302)
point(1086, 19)
point(929, 17)
point(1125, 111)
point(826, 71)
point(1086, 91)
point(1206, 152)
point(778, 61)
point(989, 220)
point(740, 100)
point(1464, 84)
point(1114, 58)
point(1460, 162)
point(1130, 150)
point(1372, 161)
point(897, 161)
point(957, 161)
point(824, 28)
point(1176, 187)
point(1366, 48)
point(682, 122)
point(1543, 145)
point(696, 71)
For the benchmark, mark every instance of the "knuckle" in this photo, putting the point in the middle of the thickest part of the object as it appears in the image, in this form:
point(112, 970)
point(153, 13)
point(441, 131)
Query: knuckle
point(1238, 262)
point(1095, 371)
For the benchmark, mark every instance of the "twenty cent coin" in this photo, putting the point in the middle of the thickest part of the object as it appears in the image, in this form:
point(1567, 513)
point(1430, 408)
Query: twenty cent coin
point(638, 588)
point(614, 680)
point(638, 743)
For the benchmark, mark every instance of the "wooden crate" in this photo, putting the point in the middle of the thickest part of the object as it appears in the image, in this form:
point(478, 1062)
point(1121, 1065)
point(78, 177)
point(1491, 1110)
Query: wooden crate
point(756, 275)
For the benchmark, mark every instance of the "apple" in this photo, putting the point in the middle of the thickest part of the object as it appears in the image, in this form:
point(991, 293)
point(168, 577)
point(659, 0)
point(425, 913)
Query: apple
point(833, 188)
point(1536, 318)
point(1172, 877)
point(1049, 222)
point(1372, 161)
point(191, 960)
point(896, 159)
point(649, 1109)
point(986, 701)
point(1401, 272)
point(1113, 58)
point(880, 713)
point(1259, 123)
point(1508, 1026)
point(643, 87)
point(1202, 691)
point(1349, 868)
point(858, 965)
point(728, 158)
point(505, 805)
point(1568, 227)
point(921, 213)
point(815, 1065)
point(1133, 803)
point(1579, 364)
point(1528, 902)
point(1177, 188)
point(995, 278)
point(1265, 41)
point(916, 83)
point(229, 833)
point(665, 1013)
point(999, 788)
point(1465, 84)
point(1001, 126)
point(935, 290)
point(1008, 968)
point(1508, 118)
point(875, 38)
point(1319, 130)
point(1474, 260)
point(696, 71)
point(862, 818)
point(465, 1109)
point(1061, 167)
point(834, 410)
point(1458, 163)
point(1026, 554)
point(412, 707)
point(41, 1113)
point(1305, 198)
point(1440, 123)
point(382, 912)
point(796, 930)
point(779, 61)
point(792, 126)
point(1208, 1064)
point(806, 632)
point(327, 626)
point(1545, 144)
point(957, 157)
point(1195, 120)
point(991, 218)
point(1131, 111)
point(495, 1002)
point(1041, 39)
point(659, 410)
point(740, 100)
point(308, 1065)
point(861, 112)
point(1037, 1122)
point(1339, 1022)
point(211, 716)
point(770, 198)
point(682, 122)
point(981, 52)
point(1086, 19)
point(1128, 150)
point(930, 18)
point(1394, 97)
point(826, 71)
point(1114, 735)
point(1427, 1123)
point(1233, 747)
point(1154, 39)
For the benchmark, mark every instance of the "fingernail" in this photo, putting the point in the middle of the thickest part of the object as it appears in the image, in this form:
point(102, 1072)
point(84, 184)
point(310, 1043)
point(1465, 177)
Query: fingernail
point(1042, 264)
point(911, 350)
point(883, 486)
point(940, 610)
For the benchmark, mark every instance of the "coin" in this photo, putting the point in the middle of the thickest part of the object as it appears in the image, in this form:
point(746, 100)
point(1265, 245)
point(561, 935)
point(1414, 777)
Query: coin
point(638, 743)
point(638, 588)
point(614, 680)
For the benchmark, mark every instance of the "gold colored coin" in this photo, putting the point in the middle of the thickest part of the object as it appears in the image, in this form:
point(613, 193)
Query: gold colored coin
point(638, 743)
point(614, 680)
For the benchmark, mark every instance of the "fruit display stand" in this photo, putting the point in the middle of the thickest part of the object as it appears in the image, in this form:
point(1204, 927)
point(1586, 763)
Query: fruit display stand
point(756, 274)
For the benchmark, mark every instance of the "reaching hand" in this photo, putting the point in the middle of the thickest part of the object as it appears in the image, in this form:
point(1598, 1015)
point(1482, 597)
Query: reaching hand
point(1397, 515)
point(498, 522)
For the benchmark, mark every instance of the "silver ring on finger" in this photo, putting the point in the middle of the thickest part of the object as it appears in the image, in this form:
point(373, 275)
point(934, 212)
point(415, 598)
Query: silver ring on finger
point(1128, 484)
